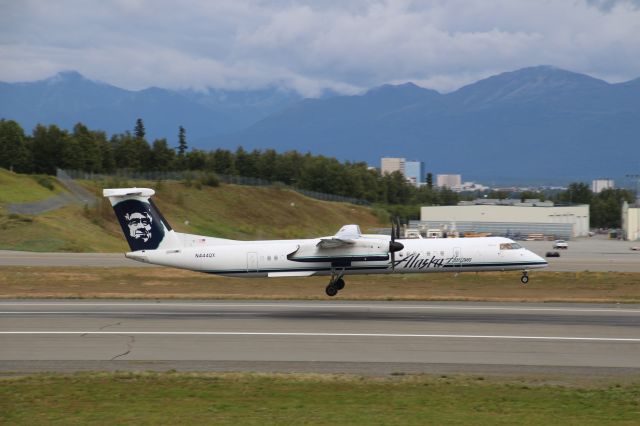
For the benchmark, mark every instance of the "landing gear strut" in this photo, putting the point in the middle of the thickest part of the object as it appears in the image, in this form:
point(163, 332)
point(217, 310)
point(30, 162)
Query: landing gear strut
point(525, 277)
point(336, 284)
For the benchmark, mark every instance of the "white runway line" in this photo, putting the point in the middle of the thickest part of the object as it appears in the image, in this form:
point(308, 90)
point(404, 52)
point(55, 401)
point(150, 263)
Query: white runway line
point(333, 306)
point(303, 334)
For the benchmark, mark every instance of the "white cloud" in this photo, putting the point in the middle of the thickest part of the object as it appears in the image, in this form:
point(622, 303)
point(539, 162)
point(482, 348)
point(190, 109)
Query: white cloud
point(310, 46)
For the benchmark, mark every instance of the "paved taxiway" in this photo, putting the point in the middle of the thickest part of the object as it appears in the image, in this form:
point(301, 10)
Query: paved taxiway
point(584, 254)
point(363, 337)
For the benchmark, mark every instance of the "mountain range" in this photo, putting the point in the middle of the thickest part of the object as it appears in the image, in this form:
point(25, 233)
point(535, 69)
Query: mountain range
point(540, 124)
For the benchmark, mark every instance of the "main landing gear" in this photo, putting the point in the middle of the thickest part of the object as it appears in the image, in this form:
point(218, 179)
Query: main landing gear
point(525, 277)
point(336, 284)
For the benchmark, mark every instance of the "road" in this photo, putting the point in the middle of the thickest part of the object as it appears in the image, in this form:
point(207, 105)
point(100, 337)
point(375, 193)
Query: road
point(364, 338)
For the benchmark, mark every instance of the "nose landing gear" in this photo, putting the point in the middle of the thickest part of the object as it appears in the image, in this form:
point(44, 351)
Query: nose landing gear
point(525, 277)
point(336, 284)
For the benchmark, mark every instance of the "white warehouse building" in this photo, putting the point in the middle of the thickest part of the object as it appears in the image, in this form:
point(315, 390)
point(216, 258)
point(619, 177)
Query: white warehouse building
point(510, 220)
point(631, 222)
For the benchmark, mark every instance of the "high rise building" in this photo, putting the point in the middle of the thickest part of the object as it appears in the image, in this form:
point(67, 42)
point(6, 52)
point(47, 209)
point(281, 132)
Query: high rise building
point(414, 171)
point(599, 185)
point(392, 164)
point(450, 181)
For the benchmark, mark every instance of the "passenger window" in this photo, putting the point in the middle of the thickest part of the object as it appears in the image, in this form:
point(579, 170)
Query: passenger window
point(268, 257)
point(275, 257)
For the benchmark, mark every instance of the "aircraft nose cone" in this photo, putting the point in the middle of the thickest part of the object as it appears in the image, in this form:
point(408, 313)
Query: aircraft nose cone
point(543, 262)
point(395, 246)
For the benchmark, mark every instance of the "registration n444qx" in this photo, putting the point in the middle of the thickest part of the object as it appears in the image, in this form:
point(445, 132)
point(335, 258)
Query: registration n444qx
point(348, 252)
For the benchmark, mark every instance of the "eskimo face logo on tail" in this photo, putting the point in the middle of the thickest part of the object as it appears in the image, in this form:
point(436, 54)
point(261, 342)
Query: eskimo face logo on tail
point(139, 224)
point(143, 229)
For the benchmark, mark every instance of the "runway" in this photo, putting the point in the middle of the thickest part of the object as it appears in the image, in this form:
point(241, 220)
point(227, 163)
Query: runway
point(584, 254)
point(363, 338)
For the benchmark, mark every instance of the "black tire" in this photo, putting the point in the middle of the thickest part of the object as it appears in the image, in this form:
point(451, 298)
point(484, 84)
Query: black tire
point(331, 290)
point(339, 283)
point(524, 279)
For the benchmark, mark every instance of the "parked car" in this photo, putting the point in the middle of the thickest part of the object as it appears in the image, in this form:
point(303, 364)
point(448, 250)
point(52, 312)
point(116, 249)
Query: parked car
point(552, 254)
point(560, 244)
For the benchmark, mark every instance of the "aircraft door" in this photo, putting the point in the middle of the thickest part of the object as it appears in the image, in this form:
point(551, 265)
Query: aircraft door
point(457, 258)
point(252, 262)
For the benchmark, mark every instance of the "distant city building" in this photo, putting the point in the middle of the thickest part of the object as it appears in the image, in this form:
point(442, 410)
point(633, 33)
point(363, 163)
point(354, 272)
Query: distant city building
point(599, 185)
point(450, 181)
point(472, 186)
point(414, 171)
point(392, 164)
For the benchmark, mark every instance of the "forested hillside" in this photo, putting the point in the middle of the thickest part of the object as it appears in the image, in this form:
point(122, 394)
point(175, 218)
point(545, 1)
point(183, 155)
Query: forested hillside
point(50, 147)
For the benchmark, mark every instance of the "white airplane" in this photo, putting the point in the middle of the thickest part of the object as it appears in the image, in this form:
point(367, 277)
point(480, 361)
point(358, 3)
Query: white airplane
point(349, 252)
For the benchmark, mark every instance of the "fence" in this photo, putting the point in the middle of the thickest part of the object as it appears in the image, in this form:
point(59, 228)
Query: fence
point(184, 175)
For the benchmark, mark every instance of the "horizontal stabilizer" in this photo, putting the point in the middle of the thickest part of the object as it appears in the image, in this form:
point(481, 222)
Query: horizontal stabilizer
point(329, 243)
point(128, 192)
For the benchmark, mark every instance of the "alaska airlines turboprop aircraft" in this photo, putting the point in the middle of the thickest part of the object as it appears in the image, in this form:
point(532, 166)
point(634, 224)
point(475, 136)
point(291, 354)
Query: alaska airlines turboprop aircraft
point(349, 252)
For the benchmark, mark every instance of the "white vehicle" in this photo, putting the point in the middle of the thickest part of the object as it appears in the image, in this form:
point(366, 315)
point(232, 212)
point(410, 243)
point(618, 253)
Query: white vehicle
point(560, 244)
point(349, 252)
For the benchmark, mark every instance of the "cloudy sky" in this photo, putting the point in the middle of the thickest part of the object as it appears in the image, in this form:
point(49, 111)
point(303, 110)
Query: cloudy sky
point(346, 46)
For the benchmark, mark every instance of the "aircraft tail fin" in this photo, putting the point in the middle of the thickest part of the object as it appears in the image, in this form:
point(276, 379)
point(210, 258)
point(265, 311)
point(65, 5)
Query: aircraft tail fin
point(143, 225)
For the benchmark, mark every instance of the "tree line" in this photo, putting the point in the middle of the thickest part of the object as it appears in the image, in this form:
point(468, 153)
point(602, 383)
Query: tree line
point(92, 151)
point(605, 207)
point(50, 147)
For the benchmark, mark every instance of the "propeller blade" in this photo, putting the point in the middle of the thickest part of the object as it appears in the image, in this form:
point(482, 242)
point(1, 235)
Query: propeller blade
point(393, 223)
point(394, 246)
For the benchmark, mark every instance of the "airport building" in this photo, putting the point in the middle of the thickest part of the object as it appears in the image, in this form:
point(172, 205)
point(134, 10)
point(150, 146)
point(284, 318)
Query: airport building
point(529, 220)
point(630, 222)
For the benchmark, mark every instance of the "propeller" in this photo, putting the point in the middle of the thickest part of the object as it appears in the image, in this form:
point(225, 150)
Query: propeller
point(394, 246)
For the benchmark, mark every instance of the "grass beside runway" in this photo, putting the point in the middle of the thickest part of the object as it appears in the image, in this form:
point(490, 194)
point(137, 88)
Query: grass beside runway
point(167, 283)
point(215, 398)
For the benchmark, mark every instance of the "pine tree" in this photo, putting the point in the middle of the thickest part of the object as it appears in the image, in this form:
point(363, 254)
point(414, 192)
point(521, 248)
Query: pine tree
point(139, 131)
point(429, 180)
point(182, 142)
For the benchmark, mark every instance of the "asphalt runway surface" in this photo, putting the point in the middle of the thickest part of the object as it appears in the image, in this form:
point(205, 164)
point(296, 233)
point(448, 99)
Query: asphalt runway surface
point(371, 338)
point(584, 254)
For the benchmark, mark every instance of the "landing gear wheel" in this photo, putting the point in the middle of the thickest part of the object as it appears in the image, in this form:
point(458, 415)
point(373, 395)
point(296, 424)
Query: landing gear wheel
point(524, 279)
point(339, 283)
point(331, 290)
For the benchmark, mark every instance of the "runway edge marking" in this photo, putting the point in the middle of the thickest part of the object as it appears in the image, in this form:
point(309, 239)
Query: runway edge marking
point(302, 334)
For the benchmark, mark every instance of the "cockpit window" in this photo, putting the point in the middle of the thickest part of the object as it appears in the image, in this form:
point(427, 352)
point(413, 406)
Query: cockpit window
point(510, 246)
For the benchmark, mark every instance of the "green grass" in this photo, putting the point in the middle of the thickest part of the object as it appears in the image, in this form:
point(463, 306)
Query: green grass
point(251, 399)
point(228, 211)
point(168, 283)
point(67, 229)
point(17, 188)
